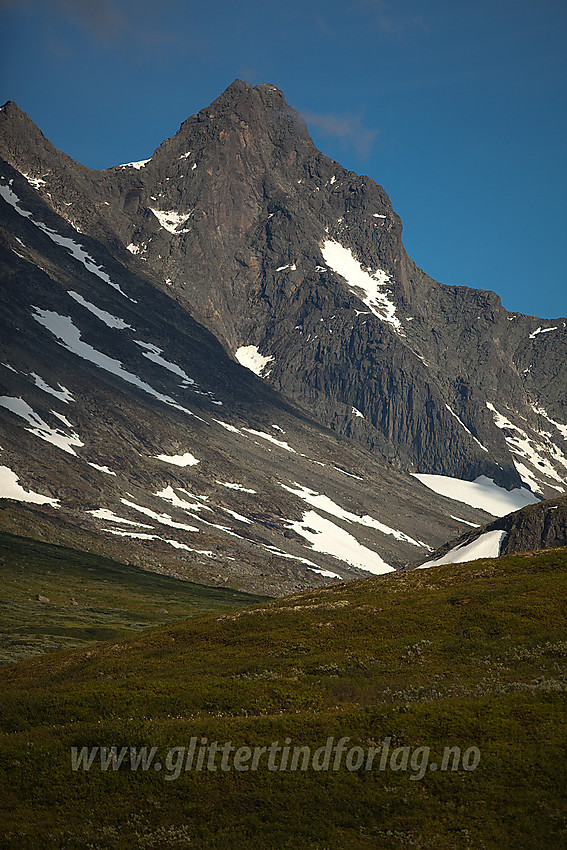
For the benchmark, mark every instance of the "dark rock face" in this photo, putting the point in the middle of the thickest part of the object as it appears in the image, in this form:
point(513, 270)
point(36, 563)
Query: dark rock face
point(541, 526)
point(239, 233)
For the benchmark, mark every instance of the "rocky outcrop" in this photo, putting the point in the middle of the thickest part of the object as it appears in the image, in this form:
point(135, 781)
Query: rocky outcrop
point(542, 526)
point(539, 526)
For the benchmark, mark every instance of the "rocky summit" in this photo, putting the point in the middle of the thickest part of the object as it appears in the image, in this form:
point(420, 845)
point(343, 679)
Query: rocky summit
point(220, 363)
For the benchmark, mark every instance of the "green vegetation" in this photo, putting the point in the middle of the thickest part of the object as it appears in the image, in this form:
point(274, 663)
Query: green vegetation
point(467, 655)
point(90, 598)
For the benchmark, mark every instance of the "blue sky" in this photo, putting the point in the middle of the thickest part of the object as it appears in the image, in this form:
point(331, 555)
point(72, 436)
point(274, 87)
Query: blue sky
point(457, 108)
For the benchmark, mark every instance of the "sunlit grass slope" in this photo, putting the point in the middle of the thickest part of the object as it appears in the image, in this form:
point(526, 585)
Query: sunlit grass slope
point(467, 655)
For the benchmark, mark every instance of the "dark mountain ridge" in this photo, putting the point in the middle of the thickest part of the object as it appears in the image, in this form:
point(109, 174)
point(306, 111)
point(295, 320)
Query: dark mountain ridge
point(239, 241)
point(254, 201)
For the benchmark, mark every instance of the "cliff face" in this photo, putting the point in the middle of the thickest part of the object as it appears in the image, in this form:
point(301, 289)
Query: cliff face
point(542, 526)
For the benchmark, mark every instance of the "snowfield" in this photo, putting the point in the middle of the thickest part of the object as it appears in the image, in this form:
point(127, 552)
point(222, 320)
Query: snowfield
point(481, 493)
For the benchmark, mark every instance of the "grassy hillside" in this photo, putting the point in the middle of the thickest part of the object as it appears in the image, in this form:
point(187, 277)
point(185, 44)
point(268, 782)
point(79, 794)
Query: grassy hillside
point(468, 655)
point(90, 598)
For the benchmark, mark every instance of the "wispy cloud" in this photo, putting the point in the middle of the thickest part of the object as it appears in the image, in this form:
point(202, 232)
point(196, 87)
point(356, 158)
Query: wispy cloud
point(101, 18)
point(113, 23)
point(347, 128)
point(389, 19)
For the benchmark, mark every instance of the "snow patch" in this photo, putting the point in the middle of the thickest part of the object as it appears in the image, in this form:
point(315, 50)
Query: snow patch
point(62, 393)
point(104, 469)
point(282, 554)
point(561, 428)
point(237, 516)
point(530, 451)
point(109, 516)
point(141, 163)
point(11, 198)
point(176, 545)
point(323, 503)
point(36, 182)
point(280, 443)
point(465, 521)
point(69, 336)
point(344, 472)
point(486, 546)
point(169, 494)
point(481, 493)
point(460, 421)
point(170, 220)
point(186, 459)
point(226, 426)
point(10, 489)
point(249, 357)
point(328, 538)
point(230, 486)
point(163, 519)
point(154, 353)
point(63, 419)
point(139, 535)
point(341, 260)
point(109, 320)
point(325, 573)
point(40, 428)
point(541, 330)
point(77, 251)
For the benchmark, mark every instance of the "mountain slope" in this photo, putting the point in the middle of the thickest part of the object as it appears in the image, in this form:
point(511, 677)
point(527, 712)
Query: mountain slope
point(128, 430)
point(131, 297)
point(271, 245)
point(56, 598)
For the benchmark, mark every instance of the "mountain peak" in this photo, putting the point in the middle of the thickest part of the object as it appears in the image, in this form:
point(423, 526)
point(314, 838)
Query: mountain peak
point(12, 111)
point(20, 137)
point(239, 87)
point(19, 120)
point(262, 107)
point(11, 108)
